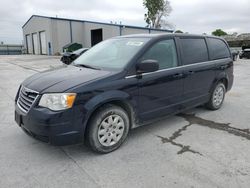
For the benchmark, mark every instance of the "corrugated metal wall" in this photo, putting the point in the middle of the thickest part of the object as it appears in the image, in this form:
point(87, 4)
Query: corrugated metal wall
point(58, 32)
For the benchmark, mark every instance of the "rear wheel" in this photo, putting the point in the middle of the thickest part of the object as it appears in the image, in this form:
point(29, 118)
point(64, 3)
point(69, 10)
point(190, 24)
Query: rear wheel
point(217, 97)
point(108, 129)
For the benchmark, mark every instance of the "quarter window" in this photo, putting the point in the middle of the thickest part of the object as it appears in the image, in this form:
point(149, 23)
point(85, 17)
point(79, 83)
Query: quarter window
point(164, 52)
point(218, 49)
point(194, 50)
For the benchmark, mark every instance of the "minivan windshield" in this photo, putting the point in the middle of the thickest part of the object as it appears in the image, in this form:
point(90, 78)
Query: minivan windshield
point(112, 53)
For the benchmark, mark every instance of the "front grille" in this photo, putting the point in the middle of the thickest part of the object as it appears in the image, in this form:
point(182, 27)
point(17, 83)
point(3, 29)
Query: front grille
point(26, 99)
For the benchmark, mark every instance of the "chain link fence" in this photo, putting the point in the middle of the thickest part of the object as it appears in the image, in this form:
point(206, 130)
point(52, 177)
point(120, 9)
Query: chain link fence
point(6, 49)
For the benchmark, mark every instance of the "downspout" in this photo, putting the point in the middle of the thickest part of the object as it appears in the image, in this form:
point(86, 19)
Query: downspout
point(70, 28)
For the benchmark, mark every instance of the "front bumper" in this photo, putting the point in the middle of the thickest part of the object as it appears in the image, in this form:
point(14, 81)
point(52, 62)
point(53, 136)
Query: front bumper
point(57, 128)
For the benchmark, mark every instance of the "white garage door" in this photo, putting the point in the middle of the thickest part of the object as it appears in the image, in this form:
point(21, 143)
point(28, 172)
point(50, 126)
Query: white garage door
point(35, 43)
point(29, 44)
point(43, 45)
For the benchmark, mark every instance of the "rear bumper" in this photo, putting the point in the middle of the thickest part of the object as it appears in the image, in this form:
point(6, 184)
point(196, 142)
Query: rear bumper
point(56, 128)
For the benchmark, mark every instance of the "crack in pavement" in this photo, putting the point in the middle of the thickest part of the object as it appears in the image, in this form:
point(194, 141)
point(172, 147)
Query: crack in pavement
point(37, 59)
point(193, 119)
point(175, 135)
point(183, 147)
point(24, 67)
point(76, 163)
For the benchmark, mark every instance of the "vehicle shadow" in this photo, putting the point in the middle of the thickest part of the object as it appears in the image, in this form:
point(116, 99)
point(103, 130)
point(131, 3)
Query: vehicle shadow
point(139, 134)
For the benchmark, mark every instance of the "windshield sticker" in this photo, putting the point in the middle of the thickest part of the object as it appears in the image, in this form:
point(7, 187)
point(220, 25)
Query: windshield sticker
point(134, 43)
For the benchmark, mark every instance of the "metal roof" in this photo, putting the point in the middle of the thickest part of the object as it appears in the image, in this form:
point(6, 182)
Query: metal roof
point(86, 21)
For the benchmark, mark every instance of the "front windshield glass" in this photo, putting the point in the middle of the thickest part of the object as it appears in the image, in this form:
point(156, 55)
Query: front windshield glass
point(113, 53)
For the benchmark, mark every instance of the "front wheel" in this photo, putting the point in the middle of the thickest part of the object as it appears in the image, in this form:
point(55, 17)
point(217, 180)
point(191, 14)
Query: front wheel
point(217, 97)
point(108, 129)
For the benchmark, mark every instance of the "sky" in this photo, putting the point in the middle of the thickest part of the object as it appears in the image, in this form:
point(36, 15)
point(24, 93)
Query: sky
point(192, 16)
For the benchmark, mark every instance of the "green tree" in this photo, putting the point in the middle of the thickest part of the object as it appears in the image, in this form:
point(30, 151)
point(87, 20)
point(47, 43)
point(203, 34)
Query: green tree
point(219, 32)
point(157, 12)
point(178, 31)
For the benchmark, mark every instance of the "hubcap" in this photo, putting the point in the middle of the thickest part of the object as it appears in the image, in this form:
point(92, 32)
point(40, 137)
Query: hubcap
point(218, 96)
point(111, 130)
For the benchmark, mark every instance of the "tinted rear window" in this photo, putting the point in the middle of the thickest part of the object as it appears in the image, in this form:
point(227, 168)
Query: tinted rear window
point(218, 49)
point(194, 50)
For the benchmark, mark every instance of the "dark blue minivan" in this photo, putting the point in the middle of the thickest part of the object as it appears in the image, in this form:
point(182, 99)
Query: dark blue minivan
point(122, 83)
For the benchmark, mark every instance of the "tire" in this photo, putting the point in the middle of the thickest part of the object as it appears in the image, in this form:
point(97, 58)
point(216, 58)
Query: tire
point(217, 97)
point(108, 129)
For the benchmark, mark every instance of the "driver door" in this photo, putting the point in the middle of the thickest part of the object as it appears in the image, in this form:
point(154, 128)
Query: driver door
point(160, 92)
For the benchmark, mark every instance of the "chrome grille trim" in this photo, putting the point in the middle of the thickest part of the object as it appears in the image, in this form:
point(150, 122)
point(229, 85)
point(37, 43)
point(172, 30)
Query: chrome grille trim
point(26, 99)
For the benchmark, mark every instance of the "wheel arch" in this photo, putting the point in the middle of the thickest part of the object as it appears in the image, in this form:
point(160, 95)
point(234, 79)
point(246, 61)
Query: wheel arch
point(117, 98)
point(220, 78)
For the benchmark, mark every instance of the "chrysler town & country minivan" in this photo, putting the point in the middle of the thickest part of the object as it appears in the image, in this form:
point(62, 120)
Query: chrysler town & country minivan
point(122, 83)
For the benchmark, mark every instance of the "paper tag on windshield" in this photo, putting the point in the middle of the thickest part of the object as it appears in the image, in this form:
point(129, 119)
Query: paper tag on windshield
point(134, 43)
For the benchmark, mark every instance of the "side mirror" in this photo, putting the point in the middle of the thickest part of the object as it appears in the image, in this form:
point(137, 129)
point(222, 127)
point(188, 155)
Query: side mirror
point(149, 65)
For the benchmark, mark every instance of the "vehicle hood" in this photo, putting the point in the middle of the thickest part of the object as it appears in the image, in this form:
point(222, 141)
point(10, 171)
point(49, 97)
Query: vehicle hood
point(62, 79)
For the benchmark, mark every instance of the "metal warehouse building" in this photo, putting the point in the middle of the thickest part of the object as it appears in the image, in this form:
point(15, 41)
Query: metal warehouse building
point(48, 35)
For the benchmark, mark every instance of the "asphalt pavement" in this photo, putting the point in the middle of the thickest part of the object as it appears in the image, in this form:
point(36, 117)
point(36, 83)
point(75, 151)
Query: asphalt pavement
point(199, 148)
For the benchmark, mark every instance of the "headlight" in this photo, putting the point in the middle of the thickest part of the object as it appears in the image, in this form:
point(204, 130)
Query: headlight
point(57, 101)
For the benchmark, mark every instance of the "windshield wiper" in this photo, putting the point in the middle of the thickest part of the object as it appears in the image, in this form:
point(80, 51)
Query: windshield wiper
point(86, 66)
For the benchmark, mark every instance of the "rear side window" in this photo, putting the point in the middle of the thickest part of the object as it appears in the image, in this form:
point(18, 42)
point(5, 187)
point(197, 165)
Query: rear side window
point(194, 50)
point(218, 49)
point(164, 52)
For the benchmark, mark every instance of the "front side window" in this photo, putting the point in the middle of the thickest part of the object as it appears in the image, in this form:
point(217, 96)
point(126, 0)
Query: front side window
point(164, 52)
point(112, 53)
point(194, 50)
